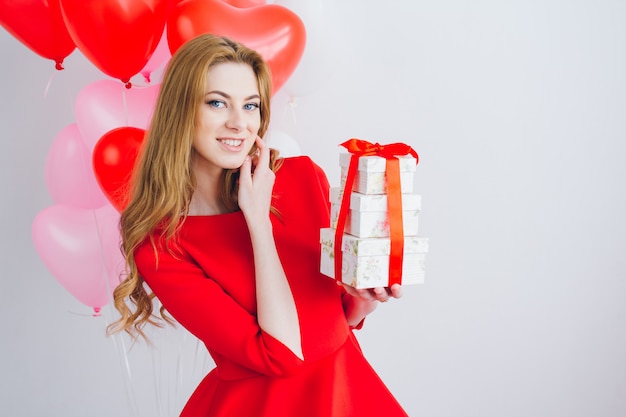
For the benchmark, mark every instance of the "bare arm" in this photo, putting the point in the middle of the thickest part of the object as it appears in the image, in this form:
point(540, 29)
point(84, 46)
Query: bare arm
point(359, 303)
point(276, 309)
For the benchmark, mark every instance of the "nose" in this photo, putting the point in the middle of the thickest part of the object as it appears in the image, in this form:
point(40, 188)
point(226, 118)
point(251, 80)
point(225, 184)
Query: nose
point(236, 120)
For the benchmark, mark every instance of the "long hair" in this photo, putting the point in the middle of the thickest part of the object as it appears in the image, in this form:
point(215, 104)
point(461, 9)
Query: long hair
point(163, 181)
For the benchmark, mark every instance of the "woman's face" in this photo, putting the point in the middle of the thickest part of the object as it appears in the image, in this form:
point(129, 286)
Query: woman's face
point(228, 118)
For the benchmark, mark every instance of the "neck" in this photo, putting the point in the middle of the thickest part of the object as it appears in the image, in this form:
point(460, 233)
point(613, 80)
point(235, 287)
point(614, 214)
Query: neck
point(206, 199)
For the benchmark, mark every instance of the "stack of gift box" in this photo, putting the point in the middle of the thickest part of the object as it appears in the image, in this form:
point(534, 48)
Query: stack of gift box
point(366, 238)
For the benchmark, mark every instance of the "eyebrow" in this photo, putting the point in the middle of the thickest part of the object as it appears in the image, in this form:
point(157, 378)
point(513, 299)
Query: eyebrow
point(223, 94)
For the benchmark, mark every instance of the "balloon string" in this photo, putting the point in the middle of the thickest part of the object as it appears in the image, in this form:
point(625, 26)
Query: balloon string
point(156, 369)
point(179, 371)
point(125, 104)
point(122, 351)
point(293, 103)
point(105, 271)
point(195, 355)
point(200, 350)
point(123, 357)
point(48, 84)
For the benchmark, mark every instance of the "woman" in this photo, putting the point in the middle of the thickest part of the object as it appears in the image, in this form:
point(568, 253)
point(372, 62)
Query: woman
point(226, 235)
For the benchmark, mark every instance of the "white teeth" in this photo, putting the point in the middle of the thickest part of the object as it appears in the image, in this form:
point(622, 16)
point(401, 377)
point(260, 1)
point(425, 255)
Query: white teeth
point(232, 142)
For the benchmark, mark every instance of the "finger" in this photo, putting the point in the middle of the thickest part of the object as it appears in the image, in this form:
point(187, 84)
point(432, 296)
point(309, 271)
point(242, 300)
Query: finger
point(396, 290)
point(264, 152)
point(381, 294)
point(245, 171)
point(254, 155)
point(364, 294)
point(349, 289)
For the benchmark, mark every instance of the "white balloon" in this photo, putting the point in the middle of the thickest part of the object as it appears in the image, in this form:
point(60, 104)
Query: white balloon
point(284, 116)
point(322, 52)
point(285, 144)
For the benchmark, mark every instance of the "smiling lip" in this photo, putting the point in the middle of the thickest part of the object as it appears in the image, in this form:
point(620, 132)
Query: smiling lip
point(234, 144)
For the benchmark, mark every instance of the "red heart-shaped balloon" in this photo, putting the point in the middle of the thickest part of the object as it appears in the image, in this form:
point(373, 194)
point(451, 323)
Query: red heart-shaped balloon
point(113, 160)
point(244, 3)
point(39, 25)
point(274, 31)
point(117, 36)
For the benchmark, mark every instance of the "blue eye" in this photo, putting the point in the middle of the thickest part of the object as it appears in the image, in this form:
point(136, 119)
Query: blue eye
point(216, 103)
point(251, 106)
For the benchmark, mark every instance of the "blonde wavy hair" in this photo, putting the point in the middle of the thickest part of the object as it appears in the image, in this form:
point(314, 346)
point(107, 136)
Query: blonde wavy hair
point(163, 182)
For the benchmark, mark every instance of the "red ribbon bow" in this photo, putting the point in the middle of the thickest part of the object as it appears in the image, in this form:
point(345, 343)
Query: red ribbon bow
point(390, 152)
point(364, 148)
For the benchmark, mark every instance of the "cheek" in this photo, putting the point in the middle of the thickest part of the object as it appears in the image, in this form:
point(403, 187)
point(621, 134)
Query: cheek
point(255, 124)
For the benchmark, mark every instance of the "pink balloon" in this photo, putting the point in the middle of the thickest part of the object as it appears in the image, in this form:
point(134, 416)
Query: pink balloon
point(108, 220)
point(160, 56)
point(67, 240)
point(69, 174)
point(106, 104)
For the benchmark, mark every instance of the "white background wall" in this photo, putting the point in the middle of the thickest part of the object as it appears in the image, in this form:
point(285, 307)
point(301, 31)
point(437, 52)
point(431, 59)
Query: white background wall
point(517, 110)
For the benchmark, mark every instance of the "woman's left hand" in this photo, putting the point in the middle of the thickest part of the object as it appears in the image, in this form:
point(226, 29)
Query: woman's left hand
point(382, 294)
point(358, 303)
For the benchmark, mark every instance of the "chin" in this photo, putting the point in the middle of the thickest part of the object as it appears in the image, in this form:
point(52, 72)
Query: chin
point(233, 164)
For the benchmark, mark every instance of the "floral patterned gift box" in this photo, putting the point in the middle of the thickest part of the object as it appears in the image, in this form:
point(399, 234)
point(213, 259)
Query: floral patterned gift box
point(368, 215)
point(370, 177)
point(366, 261)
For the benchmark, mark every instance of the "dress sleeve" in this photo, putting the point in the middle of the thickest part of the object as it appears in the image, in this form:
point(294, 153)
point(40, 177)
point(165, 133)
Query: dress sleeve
point(203, 307)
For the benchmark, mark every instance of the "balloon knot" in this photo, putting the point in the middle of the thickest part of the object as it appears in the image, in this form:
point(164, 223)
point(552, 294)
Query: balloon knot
point(59, 65)
point(96, 311)
point(128, 85)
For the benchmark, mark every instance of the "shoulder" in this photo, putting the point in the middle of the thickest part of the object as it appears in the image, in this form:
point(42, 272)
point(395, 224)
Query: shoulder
point(300, 167)
point(156, 246)
point(296, 162)
point(301, 185)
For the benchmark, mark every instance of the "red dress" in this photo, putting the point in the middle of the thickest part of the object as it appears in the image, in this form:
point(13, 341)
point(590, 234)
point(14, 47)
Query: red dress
point(207, 285)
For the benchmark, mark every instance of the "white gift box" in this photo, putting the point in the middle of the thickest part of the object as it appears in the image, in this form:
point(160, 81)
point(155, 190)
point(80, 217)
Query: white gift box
point(370, 177)
point(368, 215)
point(365, 262)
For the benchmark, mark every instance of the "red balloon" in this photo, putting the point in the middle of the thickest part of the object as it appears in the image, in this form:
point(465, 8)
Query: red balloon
point(114, 158)
point(39, 25)
point(117, 36)
point(244, 3)
point(274, 31)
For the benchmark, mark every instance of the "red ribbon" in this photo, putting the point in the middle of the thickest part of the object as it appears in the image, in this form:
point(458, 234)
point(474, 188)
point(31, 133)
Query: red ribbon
point(360, 148)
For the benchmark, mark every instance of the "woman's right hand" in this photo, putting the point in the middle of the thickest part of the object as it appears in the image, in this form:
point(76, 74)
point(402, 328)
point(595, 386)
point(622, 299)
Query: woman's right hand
point(276, 308)
point(256, 182)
